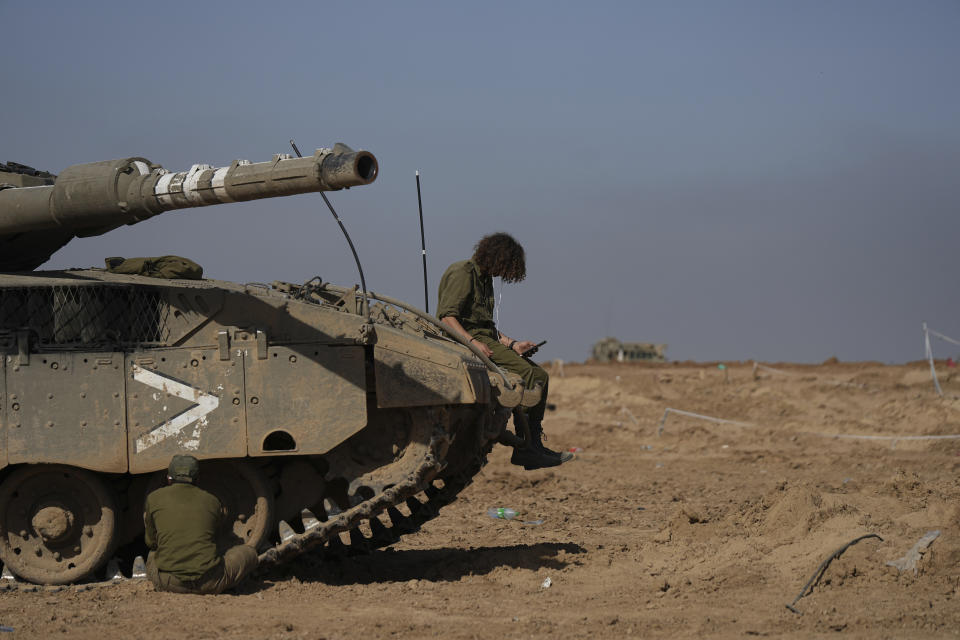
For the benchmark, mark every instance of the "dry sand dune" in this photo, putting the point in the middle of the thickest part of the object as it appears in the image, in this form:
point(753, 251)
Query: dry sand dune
point(708, 529)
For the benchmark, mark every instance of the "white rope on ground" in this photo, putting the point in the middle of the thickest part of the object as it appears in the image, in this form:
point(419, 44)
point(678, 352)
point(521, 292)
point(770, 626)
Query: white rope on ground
point(848, 436)
point(632, 417)
point(895, 438)
point(757, 365)
point(669, 410)
point(929, 354)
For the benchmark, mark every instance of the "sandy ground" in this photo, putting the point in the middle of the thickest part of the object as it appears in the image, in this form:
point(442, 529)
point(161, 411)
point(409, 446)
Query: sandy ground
point(709, 529)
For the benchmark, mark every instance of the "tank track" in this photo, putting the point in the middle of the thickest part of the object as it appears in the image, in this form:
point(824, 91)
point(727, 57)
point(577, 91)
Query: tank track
point(455, 454)
point(439, 479)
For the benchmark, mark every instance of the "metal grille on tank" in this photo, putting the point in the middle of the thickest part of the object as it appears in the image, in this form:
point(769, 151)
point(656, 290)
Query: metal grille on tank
point(91, 316)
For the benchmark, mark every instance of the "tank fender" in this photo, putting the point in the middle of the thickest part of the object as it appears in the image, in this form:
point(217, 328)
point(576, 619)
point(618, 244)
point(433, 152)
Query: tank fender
point(412, 371)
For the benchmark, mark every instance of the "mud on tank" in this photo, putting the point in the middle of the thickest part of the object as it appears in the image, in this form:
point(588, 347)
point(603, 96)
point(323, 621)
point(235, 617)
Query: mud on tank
point(323, 422)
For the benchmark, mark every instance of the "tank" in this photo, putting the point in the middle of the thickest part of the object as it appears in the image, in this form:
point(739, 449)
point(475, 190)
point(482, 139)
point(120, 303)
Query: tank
point(327, 419)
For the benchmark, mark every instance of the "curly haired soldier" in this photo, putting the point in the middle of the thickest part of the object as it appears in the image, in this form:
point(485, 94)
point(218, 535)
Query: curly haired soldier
point(466, 306)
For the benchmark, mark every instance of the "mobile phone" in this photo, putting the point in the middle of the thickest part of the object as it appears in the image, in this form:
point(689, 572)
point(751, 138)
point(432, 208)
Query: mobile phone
point(534, 348)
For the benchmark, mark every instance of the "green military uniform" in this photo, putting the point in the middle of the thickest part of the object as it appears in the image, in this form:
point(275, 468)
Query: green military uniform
point(467, 295)
point(181, 523)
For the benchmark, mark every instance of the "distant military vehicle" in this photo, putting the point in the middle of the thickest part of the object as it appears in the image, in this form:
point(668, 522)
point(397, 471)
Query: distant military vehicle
point(316, 410)
point(612, 350)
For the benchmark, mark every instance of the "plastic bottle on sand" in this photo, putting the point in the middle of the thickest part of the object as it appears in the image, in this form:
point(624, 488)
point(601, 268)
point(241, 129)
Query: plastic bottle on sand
point(502, 513)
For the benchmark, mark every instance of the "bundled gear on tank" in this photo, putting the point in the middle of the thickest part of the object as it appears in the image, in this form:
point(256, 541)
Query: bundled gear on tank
point(169, 267)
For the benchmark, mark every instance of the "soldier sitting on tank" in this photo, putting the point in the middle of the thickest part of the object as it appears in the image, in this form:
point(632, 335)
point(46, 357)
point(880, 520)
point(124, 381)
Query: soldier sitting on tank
point(466, 307)
point(182, 521)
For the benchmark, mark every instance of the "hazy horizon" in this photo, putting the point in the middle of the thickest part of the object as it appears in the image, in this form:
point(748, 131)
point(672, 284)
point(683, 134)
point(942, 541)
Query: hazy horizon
point(742, 180)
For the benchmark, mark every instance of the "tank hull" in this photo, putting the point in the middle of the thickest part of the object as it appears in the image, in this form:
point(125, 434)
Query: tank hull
point(299, 400)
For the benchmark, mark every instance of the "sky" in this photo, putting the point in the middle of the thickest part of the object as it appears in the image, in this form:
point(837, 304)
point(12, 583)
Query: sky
point(741, 180)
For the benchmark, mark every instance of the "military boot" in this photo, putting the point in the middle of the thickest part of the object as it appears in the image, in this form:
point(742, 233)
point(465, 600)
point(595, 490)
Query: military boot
point(535, 455)
point(536, 433)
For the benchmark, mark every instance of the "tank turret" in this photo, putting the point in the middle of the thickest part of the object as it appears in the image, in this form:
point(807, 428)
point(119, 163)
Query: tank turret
point(91, 199)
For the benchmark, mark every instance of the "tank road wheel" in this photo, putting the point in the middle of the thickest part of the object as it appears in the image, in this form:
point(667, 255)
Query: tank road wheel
point(58, 524)
point(247, 496)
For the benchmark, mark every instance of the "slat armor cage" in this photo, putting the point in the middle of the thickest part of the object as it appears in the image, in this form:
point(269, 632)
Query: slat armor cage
point(89, 317)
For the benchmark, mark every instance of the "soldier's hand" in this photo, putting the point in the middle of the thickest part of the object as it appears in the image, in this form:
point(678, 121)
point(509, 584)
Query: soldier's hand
point(484, 349)
point(524, 347)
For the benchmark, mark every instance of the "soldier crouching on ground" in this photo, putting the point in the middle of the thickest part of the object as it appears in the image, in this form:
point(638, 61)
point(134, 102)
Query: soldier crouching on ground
point(181, 524)
point(466, 307)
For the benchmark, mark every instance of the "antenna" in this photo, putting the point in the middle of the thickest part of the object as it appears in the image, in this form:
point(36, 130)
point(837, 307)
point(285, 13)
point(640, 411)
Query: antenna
point(423, 249)
point(363, 283)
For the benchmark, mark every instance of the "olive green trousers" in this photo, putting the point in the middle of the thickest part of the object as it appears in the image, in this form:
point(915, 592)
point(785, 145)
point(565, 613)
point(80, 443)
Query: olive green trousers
point(237, 562)
point(532, 373)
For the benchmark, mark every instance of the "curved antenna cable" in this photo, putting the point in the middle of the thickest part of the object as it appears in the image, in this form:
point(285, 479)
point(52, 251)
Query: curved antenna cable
point(363, 282)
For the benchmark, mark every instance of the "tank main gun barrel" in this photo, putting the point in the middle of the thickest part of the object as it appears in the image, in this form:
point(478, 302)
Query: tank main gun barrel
point(90, 199)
